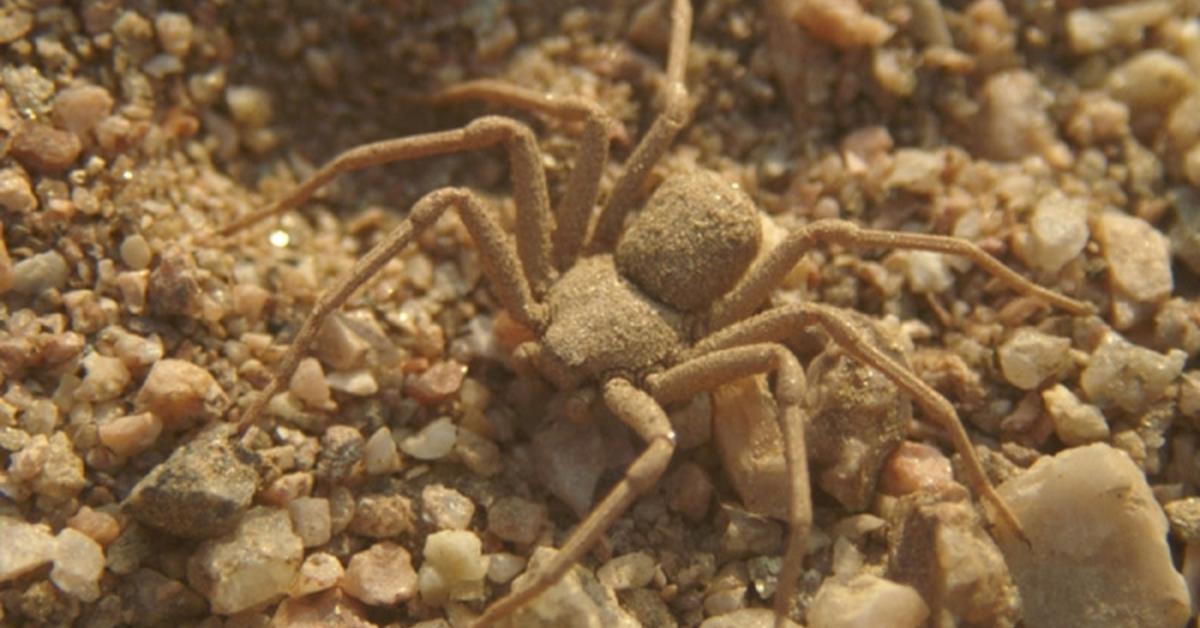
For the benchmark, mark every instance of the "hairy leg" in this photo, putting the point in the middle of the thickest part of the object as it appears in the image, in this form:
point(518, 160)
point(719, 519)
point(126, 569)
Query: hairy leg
point(709, 370)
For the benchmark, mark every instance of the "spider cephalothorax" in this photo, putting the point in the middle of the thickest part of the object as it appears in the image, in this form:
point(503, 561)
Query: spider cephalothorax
point(644, 309)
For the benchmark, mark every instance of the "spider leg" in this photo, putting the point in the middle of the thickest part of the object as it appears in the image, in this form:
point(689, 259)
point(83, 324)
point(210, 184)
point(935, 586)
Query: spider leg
point(499, 264)
point(583, 186)
point(783, 322)
point(753, 289)
point(534, 223)
point(675, 114)
point(709, 370)
point(646, 417)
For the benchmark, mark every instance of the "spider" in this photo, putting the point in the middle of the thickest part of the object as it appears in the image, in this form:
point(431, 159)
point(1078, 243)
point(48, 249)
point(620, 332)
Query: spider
point(643, 310)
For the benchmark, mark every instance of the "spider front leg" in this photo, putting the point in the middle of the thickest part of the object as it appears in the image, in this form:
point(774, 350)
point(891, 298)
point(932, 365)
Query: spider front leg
point(712, 369)
point(638, 410)
point(499, 262)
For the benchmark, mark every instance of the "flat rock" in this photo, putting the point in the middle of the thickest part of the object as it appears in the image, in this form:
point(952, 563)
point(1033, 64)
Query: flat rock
point(250, 565)
point(1098, 554)
point(199, 492)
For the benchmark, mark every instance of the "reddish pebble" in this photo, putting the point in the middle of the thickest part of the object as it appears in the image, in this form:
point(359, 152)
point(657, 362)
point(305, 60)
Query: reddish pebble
point(437, 383)
point(44, 148)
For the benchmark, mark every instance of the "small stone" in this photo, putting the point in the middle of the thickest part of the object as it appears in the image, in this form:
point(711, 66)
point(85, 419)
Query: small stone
point(310, 387)
point(156, 600)
point(135, 252)
point(78, 565)
point(1097, 553)
point(577, 600)
point(250, 300)
point(689, 491)
point(917, 467)
point(198, 492)
point(844, 24)
point(457, 555)
point(85, 310)
point(748, 438)
point(478, 454)
point(1095, 29)
point(503, 567)
point(925, 271)
point(749, 618)
point(380, 455)
point(329, 609)
point(1152, 79)
point(446, 508)
point(628, 571)
point(43, 148)
point(174, 33)
point(1059, 231)
point(516, 520)
point(360, 382)
point(15, 193)
point(62, 473)
point(39, 273)
point(569, 457)
point(106, 378)
point(339, 346)
point(80, 108)
point(382, 516)
point(1129, 376)
point(130, 435)
point(1013, 121)
point(138, 353)
point(14, 25)
point(319, 572)
point(100, 526)
point(341, 451)
point(941, 549)
point(287, 488)
point(382, 575)
point(250, 565)
point(438, 383)
point(748, 534)
point(866, 600)
point(1075, 422)
point(433, 442)
point(916, 171)
point(311, 520)
point(26, 547)
point(179, 392)
point(1138, 256)
point(250, 106)
point(1030, 357)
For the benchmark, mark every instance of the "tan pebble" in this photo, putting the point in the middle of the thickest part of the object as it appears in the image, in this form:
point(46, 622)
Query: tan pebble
point(503, 567)
point(133, 285)
point(250, 106)
point(1152, 79)
point(447, 508)
point(331, 608)
point(339, 346)
point(916, 467)
point(456, 554)
point(844, 24)
point(479, 454)
point(359, 382)
point(78, 565)
point(309, 385)
point(14, 25)
point(516, 520)
point(174, 32)
point(43, 148)
point(1138, 256)
point(178, 392)
point(1075, 422)
point(311, 520)
point(380, 455)
point(106, 378)
point(97, 524)
point(287, 488)
point(16, 195)
point(39, 273)
point(382, 516)
point(135, 252)
point(137, 352)
point(81, 107)
point(628, 571)
point(689, 491)
point(249, 301)
point(1029, 357)
point(437, 383)
point(130, 435)
point(867, 600)
point(381, 576)
point(433, 442)
point(318, 572)
point(85, 310)
point(28, 463)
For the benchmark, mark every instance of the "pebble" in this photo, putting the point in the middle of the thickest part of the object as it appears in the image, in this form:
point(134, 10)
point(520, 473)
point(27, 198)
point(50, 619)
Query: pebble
point(569, 457)
point(455, 558)
point(689, 491)
point(1075, 422)
point(100, 526)
point(438, 383)
point(1138, 257)
point(1129, 376)
point(152, 599)
point(1030, 357)
point(62, 472)
point(1095, 29)
point(130, 435)
point(26, 547)
point(318, 572)
point(137, 352)
point(916, 171)
point(1099, 552)
point(503, 567)
point(480, 455)
point(749, 441)
point(917, 467)
point(250, 106)
point(78, 565)
point(577, 600)
point(287, 488)
point(250, 565)
point(199, 492)
point(1185, 233)
point(925, 271)
point(1152, 79)
point(310, 386)
point(329, 609)
point(339, 346)
point(628, 571)
point(1059, 231)
point(1013, 124)
point(80, 108)
point(941, 549)
point(516, 520)
point(846, 25)
point(174, 32)
point(380, 456)
point(382, 516)
point(15, 193)
point(359, 382)
point(136, 252)
point(14, 25)
point(6, 265)
point(311, 520)
point(433, 442)
point(748, 534)
point(180, 393)
point(106, 378)
point(866, 600)
point(382, 575)
point(39, 273)
point(341, 451)
point(43, 148)
point(446, 508)
point(748, 618)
